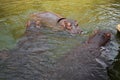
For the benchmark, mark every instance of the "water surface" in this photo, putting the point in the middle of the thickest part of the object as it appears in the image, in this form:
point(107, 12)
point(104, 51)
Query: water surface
point(90, 14)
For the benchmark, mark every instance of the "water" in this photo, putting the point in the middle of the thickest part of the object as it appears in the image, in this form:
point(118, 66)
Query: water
point(90, 14)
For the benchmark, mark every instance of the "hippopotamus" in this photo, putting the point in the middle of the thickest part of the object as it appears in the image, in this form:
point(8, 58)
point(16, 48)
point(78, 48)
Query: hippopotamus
point(54, 21)
point(82, 62)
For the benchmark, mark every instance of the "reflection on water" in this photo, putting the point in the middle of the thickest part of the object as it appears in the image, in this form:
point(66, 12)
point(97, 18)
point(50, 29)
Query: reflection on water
point(91, 15)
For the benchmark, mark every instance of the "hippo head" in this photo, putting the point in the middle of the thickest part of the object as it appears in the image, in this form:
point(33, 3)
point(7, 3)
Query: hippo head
point(100, 38)
point(71, 26)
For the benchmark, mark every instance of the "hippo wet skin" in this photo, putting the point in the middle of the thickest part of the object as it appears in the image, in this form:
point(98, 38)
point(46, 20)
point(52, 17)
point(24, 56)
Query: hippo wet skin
point(78, 64)
point(81, 62)
point(54, 21)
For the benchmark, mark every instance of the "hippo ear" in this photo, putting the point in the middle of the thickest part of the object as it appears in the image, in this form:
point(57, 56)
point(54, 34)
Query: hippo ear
point(64, 24)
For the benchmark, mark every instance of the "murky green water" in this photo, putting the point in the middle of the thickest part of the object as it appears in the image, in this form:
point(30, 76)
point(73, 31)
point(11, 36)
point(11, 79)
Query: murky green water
point(91, 15)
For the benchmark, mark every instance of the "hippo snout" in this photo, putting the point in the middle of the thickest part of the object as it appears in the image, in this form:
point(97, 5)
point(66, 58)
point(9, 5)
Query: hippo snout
point(76, 31)
point(79, 31)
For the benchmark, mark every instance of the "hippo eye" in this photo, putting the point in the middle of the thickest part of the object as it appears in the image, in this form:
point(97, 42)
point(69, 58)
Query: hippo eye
point(107, 34)
point(76, 25)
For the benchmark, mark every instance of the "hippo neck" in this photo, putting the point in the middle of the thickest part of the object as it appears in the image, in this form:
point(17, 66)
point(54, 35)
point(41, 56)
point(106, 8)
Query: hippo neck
point(59, 23)
point(60, 19)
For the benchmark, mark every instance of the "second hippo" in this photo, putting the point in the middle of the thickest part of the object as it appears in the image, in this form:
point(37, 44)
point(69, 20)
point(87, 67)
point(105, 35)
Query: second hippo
point(54, 21)
point(84, 62)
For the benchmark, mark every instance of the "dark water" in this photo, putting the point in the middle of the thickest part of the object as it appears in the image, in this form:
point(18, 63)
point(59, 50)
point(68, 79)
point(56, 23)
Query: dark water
point(90, 14)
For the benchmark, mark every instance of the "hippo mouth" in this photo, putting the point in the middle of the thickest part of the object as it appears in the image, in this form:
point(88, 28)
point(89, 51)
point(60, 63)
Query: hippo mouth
point(76, 31)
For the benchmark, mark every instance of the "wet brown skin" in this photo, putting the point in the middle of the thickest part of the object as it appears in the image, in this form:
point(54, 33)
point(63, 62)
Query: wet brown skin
point(54, 21)
point(80, 63)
